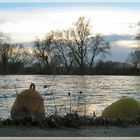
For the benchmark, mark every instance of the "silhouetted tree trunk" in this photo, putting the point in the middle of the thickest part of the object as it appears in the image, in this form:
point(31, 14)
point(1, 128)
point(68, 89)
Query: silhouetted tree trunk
point(5, 54)
point(97, 46)
point(78, 35)
point(4, 64)
point(10, 54)
point(60, 40)
point(134, 56)
point(43, 51)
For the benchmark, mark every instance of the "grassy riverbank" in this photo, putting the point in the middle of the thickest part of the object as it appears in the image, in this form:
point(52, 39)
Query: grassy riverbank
point(71, 125)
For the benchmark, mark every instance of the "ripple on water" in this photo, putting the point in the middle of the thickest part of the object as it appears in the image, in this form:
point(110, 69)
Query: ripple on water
point(99, 91)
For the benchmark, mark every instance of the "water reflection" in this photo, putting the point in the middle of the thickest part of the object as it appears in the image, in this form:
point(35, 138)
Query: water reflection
point(91, 108)
point(98, 91)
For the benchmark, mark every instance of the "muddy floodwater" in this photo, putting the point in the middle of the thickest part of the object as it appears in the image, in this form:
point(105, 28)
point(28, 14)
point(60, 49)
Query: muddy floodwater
point(87, 94)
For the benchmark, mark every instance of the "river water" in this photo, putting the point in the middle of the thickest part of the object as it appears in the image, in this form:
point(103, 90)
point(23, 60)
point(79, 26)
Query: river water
point(88, 94)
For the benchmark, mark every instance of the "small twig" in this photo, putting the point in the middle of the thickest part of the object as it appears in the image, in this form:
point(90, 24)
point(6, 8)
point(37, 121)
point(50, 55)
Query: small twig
point(85, 108)
point(69, 94)
point(48, 86)
point(65, 101)
point(79, 93)
point(16, 89)
point(54, 104)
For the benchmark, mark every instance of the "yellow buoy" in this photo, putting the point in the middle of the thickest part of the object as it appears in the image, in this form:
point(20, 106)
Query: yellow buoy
point(128, 108)
point(28, 104)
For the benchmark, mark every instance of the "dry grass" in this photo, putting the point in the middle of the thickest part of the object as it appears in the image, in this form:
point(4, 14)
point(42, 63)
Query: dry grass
point(71, 120)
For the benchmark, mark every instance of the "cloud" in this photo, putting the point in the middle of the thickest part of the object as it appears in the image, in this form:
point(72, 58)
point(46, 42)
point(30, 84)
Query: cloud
point(119, 51)
point(126, 43)
point(25, 23)
point(124, 40)
point(3, 21)
point(121, 46)
point(119, 54)
point(117, 37)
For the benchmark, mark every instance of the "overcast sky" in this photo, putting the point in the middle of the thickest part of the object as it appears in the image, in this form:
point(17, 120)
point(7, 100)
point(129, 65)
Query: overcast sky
point(117, 22)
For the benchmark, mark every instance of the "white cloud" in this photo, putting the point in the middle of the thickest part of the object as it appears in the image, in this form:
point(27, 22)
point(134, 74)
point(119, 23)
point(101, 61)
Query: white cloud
point(126, 43)
point(26, 24)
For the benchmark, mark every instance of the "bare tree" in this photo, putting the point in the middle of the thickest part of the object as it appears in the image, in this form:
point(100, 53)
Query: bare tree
point(43, 51)
point(61, 43)
point(97, 46)
point(85, 47)
point(18, 53)
point(134, 56)
point(55, 63)
point(5, 52)
point(74, 45)
point(11, 54)
point(80, 31)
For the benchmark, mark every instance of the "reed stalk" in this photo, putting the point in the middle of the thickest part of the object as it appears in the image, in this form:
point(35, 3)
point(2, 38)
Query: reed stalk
point(55, 107)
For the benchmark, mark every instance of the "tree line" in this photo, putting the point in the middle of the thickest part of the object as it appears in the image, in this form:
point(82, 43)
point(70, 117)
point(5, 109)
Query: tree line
point(70, 51)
